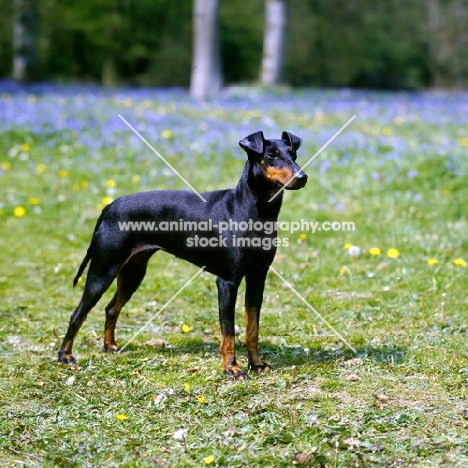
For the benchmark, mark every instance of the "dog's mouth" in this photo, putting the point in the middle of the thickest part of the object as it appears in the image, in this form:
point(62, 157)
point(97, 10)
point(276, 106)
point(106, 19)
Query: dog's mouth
point(296, 183)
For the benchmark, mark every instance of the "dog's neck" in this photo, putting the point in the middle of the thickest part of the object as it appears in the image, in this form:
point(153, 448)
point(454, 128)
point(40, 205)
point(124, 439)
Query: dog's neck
point(253, 191)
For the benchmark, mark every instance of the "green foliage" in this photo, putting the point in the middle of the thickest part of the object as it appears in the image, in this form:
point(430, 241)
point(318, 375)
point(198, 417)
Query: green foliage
point(370, 43)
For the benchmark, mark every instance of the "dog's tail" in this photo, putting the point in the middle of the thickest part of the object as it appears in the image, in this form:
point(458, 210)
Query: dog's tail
point(89, 253)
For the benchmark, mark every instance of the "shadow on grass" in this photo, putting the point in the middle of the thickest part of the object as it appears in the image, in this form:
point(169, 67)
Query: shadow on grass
point(279, 356)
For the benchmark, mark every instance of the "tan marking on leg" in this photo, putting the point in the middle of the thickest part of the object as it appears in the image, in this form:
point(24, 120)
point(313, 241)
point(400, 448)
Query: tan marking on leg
point(228, 352)
point(251, 334)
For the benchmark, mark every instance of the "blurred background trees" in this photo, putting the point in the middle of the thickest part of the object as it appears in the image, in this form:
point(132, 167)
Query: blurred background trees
point(384, 44)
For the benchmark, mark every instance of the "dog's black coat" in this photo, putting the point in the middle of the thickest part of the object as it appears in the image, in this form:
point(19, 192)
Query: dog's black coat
point(114, 252)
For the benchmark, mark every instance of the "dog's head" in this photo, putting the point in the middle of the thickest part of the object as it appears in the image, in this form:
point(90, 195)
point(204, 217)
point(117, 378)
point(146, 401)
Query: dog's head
point(275, 160)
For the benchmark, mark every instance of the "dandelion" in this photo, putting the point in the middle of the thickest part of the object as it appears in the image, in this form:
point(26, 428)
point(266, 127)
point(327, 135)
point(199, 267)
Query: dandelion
point(84, 184)
point(80, 280)
point(19, 211)
point(374, 251)
point(34, 201)
point(459, 262)
point(433, 261)
point(344, 270)
point(166, 134)
point(208, 460)
point(106, 200)
point(185, 328)
point(5, 165)
point(387, 131)
point(63, 173)
point(136, 179)
point(40, 168)
point(111, 183)
point(463, 141)
point(25, 147)
point(303, 236)
point(187, 387)
point(393, 253)
point(347, 246)
point(354, 251)
point(201, 399)
point(180, 434)
point(121, 416)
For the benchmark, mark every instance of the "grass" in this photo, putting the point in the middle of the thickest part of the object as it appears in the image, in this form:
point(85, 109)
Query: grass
point(398, 172)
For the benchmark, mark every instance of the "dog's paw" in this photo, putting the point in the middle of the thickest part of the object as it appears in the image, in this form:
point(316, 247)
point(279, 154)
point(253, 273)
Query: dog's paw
point(235, 373)
point(260, 368)
point(64, 358)
point(111, 348)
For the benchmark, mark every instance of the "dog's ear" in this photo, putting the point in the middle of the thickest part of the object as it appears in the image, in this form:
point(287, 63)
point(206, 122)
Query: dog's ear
point(253, 143)
point(292, 140)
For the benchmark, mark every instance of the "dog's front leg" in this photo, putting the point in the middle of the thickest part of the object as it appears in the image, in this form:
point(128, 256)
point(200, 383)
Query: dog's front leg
point(227, 292)
point(255, 283)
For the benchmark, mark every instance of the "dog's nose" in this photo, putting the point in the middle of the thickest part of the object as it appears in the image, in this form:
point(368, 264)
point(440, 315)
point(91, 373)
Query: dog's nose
point(301, 178)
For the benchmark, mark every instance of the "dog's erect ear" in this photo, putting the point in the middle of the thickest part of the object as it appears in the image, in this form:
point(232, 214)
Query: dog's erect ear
point(253, 143)
point(292, 140)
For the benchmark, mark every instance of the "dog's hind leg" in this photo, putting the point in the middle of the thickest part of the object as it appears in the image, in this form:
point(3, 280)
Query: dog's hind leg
point(130, 276)
point(98, 280)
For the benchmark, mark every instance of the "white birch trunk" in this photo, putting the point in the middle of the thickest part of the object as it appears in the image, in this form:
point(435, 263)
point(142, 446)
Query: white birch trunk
point(206, 78)
point(274, 41)
point(25, 41)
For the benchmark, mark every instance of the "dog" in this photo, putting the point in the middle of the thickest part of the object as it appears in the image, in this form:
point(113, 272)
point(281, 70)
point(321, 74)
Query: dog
point(124, 254)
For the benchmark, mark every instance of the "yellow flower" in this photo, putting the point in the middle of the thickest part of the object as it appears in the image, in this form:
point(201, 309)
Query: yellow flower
point(303, 236)
point(34, 201)
point(185, 328)
point(208, 460)
point(80, 280)
point(25, 147)
point(100, 206)
point(344, 270)
point(459, 262)
point(19, 211)
point(106, 200)
point(374, 251)
point(187, 387)
point(166, 134)
point(5, 165)
point(84, 184)
point(433, 261)
point(121, 417)
point(40, 168)
point(201, 399)
point(110, 183)
point(136, 179)
point(387, 131)
point(463, 141)
point(393, 253)
point(347, 246)
point(63, 173)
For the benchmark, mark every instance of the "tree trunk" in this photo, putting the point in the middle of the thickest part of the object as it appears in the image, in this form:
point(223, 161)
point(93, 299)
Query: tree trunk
point(206, 79)
point(25, 41)
point(274, 41)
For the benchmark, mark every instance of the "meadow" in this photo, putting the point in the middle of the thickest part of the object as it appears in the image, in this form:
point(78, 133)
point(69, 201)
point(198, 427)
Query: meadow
point(395, 287)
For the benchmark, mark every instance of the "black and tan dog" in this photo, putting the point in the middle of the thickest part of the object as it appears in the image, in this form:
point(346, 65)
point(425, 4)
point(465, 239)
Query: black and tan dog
point(124, 254)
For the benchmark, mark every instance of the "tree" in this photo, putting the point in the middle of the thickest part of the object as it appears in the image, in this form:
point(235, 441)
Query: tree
point(25, 41)
point(206, 77)
point(274, 41)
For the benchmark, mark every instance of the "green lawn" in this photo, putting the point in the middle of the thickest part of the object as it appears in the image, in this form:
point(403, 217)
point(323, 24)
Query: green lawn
point(399, 172)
